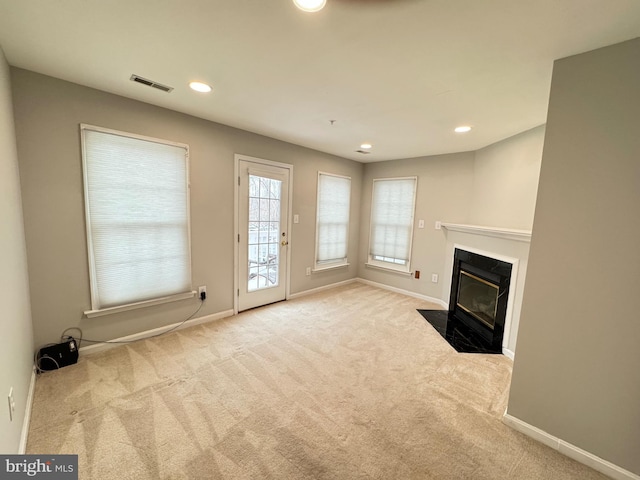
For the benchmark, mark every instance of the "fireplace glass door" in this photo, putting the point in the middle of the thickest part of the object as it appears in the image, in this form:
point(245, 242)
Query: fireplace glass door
point(478, 298)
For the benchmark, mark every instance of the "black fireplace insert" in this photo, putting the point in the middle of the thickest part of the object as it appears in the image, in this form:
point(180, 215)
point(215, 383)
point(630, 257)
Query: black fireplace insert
point(479, 293)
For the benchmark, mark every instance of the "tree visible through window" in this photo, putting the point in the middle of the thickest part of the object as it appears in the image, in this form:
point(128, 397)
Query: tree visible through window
point(264, 232)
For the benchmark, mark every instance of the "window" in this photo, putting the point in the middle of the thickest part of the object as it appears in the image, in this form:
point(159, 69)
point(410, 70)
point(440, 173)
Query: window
point(137, 210)
point(392, 208)
point(332, 220)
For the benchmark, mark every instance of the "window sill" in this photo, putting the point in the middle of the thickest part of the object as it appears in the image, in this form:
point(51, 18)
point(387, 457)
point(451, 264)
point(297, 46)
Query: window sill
point(329, 267)
point(389, 270)
point(133, 306)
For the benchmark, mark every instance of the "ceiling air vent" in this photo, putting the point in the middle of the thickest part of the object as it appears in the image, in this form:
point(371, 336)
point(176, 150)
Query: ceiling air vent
point(364, 152)
point(150, 83)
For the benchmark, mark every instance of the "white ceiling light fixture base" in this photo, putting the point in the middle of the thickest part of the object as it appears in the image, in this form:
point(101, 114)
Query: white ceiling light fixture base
point(310, 5)
point(200, 87)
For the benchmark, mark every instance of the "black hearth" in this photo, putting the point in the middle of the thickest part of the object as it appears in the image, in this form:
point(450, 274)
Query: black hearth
point(477, 304)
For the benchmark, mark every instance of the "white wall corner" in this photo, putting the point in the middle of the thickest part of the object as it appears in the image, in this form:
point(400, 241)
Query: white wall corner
point(571, 451)
point(22, 448)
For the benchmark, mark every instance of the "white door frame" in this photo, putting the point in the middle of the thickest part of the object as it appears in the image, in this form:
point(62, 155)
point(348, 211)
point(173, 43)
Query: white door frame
point(236, 222)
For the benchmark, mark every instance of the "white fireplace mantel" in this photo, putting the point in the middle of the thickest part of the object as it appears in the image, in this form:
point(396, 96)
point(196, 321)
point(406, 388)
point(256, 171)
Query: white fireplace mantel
point(506, 244)
point(506, 233)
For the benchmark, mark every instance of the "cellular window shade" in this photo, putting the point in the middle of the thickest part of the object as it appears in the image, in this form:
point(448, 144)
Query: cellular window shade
point(392, 218)
point(334, 194)
point(137, 205)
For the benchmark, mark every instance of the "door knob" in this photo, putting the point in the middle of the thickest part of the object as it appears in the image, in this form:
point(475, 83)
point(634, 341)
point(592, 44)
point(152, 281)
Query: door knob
point(284, 243)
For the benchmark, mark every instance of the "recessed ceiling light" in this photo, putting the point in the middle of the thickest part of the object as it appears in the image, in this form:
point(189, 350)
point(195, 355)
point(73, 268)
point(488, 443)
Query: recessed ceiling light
point(366, 145)
point(463, 129)
point(310, 5)
point(200, 87)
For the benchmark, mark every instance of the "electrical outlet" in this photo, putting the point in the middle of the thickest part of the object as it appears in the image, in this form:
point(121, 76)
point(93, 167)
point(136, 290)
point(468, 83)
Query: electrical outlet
point(12, 405)
point(308, 271)
point(202, 290)
point(438, 225)
point(434, 277)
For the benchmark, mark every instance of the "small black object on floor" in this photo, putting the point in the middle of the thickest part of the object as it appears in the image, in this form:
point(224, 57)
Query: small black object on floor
point(456, 333)
point(57, 356)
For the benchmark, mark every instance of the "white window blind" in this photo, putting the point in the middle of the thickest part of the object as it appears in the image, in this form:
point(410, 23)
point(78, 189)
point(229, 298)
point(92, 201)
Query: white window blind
point(332, 219)
point(137, 209)
point(392, 208)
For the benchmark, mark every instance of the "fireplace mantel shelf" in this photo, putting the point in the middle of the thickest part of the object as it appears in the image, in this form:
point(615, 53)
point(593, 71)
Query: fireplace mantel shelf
point(506, 233)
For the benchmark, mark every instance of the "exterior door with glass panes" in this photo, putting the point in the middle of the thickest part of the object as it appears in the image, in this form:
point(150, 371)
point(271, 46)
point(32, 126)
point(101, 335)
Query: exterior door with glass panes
point(263, 200)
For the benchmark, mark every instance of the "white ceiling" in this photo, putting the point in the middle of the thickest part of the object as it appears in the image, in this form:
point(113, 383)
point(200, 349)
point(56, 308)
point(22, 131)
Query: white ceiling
point(400, 74)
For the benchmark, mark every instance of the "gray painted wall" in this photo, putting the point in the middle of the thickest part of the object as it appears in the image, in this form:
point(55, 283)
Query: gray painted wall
point(576, 371)
point(505, 181)
point(48, 112)
point(16, 353)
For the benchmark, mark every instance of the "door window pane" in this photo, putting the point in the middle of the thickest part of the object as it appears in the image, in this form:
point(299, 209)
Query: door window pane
point(264, 232)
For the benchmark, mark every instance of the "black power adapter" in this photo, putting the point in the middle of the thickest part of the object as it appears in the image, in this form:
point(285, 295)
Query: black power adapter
point(57, 356)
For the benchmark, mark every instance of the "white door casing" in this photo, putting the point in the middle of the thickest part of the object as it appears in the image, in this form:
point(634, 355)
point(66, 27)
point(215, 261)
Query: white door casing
point(263, 205)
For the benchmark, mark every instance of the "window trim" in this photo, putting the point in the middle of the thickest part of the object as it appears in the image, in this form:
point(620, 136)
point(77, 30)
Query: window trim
point(97, 312)
point(133, 306)
point(377, 266)
point(388, 266)
point(330, 265)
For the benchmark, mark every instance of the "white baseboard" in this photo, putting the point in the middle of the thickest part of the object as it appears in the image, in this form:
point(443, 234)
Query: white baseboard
point(100, 347)
point(571, 451)
point(409, 293)
point(320, 289)
point(22, 448)
point(508, 353)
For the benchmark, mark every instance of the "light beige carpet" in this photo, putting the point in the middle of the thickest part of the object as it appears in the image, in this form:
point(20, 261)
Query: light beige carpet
point(350, 383)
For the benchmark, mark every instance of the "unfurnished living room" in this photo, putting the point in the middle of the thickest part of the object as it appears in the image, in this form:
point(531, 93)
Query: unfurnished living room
point(320, 239)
